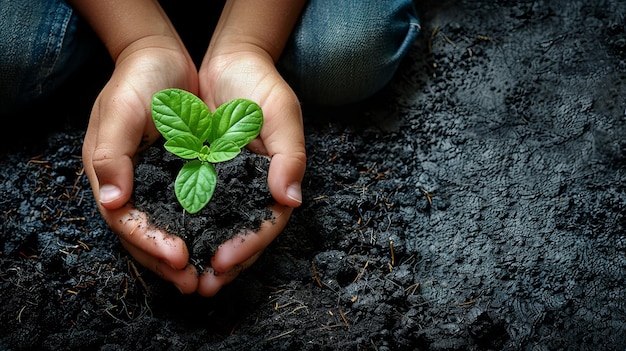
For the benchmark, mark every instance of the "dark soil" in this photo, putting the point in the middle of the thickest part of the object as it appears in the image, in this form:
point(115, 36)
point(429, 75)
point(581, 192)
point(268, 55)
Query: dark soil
point(240, 200)
point(478, 203)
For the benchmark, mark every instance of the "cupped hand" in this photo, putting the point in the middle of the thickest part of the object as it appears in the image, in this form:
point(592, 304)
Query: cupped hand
point(120, 126)
point(241, 251)
point(253, 75)
point(166, 255)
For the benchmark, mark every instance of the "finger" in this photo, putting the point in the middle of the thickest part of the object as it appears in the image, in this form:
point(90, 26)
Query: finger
point(113, 136)
point(283, 140)
point(211, 282)
point(241, 251)
point(186, 279)
point(133, 228)
point(164, 254)
point(241, 247)
point(284, 178)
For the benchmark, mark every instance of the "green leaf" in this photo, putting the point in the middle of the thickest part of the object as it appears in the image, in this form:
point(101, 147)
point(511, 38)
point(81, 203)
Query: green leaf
point(195, 184)
point(239, 120)
point(186, 123)
point(223, 150)
point(185, 146)
point(177, 111)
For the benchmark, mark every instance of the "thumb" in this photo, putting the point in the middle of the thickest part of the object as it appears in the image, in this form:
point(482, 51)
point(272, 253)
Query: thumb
point(283, 141)
point(111, 141)
point(285, 177)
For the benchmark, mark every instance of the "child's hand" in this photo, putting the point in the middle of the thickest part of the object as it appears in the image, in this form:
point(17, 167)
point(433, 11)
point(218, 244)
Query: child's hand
point(240, 252)
point(120, 126)
point(253, 76)
point(167, 255)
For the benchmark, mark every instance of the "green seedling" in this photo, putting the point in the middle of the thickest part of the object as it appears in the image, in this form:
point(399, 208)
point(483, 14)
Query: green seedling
point(192, 132)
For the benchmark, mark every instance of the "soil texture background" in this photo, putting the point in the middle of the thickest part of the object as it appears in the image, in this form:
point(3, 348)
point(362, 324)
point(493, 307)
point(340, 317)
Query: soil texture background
point(477, 203)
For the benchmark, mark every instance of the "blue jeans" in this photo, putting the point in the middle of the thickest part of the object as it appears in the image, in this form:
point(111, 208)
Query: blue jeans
point(40, 47)
point(341, 51)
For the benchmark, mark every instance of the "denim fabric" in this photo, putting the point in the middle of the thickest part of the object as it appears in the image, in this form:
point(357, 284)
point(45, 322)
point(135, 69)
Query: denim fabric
point(37, 49)
point(343, 51)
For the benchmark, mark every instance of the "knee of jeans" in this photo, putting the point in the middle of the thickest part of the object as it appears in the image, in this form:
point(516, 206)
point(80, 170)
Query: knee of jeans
point(349, 62)
point(36, 56)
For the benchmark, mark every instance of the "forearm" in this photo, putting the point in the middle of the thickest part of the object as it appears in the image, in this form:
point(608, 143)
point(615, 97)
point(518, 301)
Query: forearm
point(253, 25)
point(120, 23)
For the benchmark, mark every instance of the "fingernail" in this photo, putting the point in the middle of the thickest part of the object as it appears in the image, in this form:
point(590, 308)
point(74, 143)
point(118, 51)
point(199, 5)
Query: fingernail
point(294, 192)
point(179, 289)
point(109, 193)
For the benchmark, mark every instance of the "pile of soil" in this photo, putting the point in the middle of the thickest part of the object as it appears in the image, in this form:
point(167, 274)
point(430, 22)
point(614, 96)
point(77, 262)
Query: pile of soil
point(240, 200)
point(477, 203)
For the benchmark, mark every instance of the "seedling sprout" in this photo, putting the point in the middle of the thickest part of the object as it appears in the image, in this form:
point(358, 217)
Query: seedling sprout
point(193, 133)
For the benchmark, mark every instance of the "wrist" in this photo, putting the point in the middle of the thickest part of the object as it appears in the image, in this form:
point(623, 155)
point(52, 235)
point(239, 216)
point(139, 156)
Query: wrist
point(164, 44)
point(259, 26)
point(225, 75)
point(120, 23)
point(227, 50)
